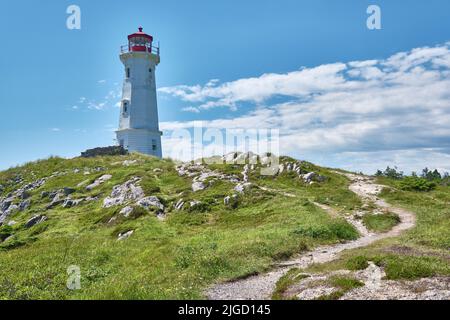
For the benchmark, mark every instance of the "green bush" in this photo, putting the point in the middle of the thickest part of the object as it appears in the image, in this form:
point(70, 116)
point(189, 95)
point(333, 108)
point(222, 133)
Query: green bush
point(5, 232)
point(416, 184)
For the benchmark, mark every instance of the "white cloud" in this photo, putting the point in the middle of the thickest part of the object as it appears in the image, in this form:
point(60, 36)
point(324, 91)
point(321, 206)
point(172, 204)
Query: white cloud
point(370, 113)
point(101, 81)
point(191, 109)
point(55, 129)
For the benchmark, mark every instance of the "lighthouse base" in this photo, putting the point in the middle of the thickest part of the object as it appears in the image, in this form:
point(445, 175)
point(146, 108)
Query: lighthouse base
point(141, 140)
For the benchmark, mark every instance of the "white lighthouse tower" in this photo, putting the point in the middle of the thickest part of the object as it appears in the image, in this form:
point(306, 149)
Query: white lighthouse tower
point(138, 125)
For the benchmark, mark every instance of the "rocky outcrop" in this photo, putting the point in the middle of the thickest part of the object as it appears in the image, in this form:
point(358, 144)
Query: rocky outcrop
point(124, 193)
point(151, 202)
point(242, 187)
point(179, 205)
point(99, 181)
point(197, 186)
point(35, 220)
point(125, 235)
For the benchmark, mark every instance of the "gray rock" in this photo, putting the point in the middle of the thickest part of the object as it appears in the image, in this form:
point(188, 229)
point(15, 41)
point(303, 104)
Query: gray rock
point(24, 205)
point(11, 223)
point(242, 187)
point(194, 203)
point(197, 186)
point(5, 204)
point(157, 170)
point(125, 235)
point(230, 157)
point(179, 204)
point(227, 200)
point(99, 181)
point(126, 211)
point(56, 200)
point(35, 220)
point(68, 203)
point(129, 191)
point(128, 163)
point(149, 202)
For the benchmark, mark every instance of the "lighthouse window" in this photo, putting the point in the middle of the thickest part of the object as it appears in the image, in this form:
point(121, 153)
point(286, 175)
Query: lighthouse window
point(128, 72)
point(154, 146)
point(125, 107)
point(150, 70)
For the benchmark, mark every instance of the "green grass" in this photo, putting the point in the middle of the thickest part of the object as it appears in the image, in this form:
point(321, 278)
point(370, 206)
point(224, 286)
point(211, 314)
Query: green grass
point(420, 252)
point(172, 259)
point(381, 222)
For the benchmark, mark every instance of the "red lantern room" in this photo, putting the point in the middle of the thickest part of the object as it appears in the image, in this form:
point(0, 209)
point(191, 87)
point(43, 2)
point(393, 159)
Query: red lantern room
point(140, 42)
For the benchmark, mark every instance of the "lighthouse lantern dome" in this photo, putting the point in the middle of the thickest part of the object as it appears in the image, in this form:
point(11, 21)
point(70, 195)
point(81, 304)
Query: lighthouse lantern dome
point(140, 41)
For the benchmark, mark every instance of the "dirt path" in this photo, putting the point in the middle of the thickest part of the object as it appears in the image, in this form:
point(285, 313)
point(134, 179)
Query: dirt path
point(261, 287)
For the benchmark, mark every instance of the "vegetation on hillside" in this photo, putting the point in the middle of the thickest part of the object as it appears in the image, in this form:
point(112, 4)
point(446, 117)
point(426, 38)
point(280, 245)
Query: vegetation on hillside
point(177, 257)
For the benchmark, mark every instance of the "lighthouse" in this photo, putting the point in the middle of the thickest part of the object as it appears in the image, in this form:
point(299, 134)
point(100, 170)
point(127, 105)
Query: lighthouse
point(138, 123)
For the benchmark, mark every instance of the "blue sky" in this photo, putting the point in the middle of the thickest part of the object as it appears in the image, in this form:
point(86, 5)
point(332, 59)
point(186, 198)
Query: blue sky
point(60, 86)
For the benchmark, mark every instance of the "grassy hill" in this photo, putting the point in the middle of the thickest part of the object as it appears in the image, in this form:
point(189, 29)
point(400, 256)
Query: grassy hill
point(172, 253)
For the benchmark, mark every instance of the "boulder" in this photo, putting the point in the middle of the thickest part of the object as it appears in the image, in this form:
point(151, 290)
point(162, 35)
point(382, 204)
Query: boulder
point(194, 203)
point(129, 191)
point(230, 157)
point(149, 202)
point(197, 186)
point(126, 211)
point(179, 204)
point(125, 235)
point(24, 205)
point(57, 200)
point(99, 181)
point(226, 200)
point(242, 187)
point(68, 203)
point(128, 163)
point(35, 220)
point(5, 204)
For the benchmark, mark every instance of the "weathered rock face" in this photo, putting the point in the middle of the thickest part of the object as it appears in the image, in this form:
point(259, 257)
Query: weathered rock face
point(7, 207)
point(128, 163)
point(197, 186)
point(57, 199)
point(179, 204)
point(151, 202)
point(242, 187)
point(68, 203)
point(127, 192)
point(35, 220)
point(194, 203)
point(125, 235)
point(126, 211)
point(99, 181)
point(24, 205)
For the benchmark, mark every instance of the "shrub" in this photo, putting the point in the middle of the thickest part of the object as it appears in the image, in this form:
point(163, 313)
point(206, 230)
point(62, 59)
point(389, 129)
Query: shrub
point(416, 184)
point(5, 232)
